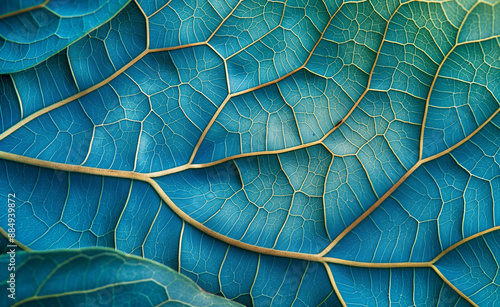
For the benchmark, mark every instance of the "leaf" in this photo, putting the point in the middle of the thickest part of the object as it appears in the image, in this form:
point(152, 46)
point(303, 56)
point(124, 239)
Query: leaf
point(97, 276)
point(276, 153)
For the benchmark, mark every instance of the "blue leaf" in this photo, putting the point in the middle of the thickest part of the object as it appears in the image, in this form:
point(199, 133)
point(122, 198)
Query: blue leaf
point(277, 153)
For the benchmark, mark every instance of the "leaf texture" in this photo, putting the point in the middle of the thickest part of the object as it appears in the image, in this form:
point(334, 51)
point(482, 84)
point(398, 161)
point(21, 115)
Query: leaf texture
point(278, 153)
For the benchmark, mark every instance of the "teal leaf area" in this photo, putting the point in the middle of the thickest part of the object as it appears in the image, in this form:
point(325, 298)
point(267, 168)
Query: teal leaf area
point(275, 153)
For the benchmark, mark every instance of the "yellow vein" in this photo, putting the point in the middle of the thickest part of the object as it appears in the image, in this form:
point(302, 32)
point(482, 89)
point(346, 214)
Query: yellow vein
point(380, 265)
point(219, 274)
point(150, 229)
point(238, 156)
point(115, 230)
point(369, 211)
point(465, 297)
point(334, 284)
point(463, 241)
point(467, 138)
point(207, 128)
point(479, 40)
point(147, 24)
point(427, 101)
point(179, 255)
point(16, 242)
point(160, 9)
point(21, 109)
point(177, 47)
point(72, 168)
point(224, 21)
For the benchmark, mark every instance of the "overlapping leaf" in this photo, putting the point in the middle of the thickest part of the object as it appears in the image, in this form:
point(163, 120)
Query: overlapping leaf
point(32, 31)
point(276, 152)
point(94, 277)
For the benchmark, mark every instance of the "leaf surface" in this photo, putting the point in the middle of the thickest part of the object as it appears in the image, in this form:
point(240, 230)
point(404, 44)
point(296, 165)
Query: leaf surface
point(275, 152)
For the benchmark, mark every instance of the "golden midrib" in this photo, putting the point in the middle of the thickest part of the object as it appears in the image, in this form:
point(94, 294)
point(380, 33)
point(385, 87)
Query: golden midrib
point(321, 257)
